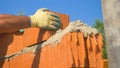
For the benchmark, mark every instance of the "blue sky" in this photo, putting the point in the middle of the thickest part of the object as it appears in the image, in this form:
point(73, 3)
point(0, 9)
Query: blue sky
point(86, 10)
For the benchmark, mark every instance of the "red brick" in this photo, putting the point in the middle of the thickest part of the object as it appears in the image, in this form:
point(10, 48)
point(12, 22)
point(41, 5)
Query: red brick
point(57, 56)
point(28, 60)
point(53, 55)
point(10, 43)
point(25, 60)
point(63, 51)
point(99, 58)
point(81, 50)
point(64, 19)
point(43, 57)
point(13, 42)
point(17, 62)
point(35, 35)
point(73, 51)
point(68, 46)
point(88, 52)
point(73, 43)
point(4, 64)
point(92, 49)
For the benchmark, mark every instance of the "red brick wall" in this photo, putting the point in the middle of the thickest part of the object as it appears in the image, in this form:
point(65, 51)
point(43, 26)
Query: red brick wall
point(73, 51)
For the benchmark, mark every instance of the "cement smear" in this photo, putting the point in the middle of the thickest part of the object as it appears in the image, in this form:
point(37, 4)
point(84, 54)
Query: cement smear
point(56, 38)
point(72, 27)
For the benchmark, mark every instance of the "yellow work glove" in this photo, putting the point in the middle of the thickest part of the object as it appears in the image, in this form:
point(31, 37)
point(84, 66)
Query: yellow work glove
point(45, 19)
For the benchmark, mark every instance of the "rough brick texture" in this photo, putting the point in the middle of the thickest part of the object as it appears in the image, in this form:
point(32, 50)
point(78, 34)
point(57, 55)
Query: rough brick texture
point(74, 50)
point(12, 42)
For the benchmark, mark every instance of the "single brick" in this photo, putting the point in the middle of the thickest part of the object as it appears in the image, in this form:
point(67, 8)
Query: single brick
point(99, 59)
point(73, 43)
point(92, 49)
point(81, 49)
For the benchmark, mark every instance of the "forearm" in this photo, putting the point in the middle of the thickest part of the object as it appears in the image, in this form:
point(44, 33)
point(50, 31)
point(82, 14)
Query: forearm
point(41, 19)
point(6, 15)
point(11, 23)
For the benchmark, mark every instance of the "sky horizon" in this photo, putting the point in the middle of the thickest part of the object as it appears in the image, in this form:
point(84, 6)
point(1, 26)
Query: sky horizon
point(85, 10)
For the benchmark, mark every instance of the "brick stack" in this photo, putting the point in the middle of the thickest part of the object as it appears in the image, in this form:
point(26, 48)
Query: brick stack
point(74, 50)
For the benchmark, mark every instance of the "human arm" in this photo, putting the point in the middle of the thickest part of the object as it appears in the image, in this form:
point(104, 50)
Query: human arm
point(41, 19)
point(11, 23)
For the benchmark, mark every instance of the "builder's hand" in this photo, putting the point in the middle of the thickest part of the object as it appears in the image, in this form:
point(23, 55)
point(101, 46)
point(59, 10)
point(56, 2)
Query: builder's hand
point(45, 20)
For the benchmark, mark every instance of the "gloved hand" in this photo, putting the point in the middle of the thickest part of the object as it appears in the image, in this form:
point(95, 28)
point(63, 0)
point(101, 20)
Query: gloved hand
point(45, 19)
